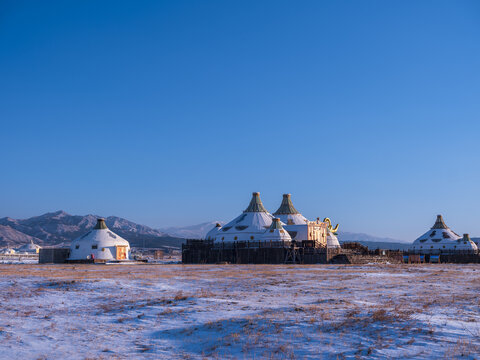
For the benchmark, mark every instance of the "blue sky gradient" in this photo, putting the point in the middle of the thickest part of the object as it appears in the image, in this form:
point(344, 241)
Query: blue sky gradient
point(171, 113)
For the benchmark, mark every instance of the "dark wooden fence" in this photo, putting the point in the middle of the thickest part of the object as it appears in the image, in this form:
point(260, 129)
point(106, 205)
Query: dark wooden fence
point(251, 252)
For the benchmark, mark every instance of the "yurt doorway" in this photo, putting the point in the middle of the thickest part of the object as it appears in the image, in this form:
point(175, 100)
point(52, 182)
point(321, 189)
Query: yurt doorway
point(121, 252)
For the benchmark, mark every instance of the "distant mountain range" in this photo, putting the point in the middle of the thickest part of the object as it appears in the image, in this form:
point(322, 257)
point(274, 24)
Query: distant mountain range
point(344, 236)
point(372, 242)
point(59, 228)
point(193, 231)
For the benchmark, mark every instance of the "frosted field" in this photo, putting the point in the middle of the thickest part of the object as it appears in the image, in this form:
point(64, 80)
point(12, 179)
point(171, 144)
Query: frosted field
point(239, 311)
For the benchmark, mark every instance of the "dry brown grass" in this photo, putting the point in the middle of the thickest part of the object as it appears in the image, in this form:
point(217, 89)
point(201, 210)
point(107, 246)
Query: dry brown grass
point(320, 299)
point(180, 296)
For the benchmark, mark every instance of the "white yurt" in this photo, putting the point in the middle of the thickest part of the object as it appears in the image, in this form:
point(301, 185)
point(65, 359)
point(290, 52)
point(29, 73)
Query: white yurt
point(249, 226)
point(212, 234)
point(276, 233)
point(100, 244)
point(476, 241)
point(288, 214)
point(7, 251)
point(29, 248)
point(465, 244)
point(332, 240)
point(438, 239)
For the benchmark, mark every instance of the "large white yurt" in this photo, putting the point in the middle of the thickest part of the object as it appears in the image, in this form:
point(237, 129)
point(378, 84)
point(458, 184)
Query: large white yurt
point(276, 233)
point(438, 239)
point(288, 214)
point(29, 248)
point(249, 226)
point(100, 242)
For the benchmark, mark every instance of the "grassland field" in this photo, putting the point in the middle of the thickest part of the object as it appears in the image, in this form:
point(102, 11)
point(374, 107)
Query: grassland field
point(240, 311)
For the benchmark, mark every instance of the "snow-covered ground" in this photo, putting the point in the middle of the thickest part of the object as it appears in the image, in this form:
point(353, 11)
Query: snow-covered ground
point(239, 311)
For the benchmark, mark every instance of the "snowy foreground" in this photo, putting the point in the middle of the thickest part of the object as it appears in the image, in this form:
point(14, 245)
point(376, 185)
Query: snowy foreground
point(239, 311)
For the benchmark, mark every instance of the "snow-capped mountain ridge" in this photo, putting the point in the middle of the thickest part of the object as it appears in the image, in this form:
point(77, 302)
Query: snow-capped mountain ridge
point(60, 227)
point(192, 231)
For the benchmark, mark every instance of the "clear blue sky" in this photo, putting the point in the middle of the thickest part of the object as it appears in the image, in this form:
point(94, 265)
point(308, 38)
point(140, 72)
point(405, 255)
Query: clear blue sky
point(171, 113)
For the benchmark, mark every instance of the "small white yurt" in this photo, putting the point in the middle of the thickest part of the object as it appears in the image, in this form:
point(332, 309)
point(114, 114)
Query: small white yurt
point(476, 241)
point(212, 234)
point(465, 244)
point(276, 233)
point(7, 251)
point(100, 244)
point(332, 240)
point(439, 238)
point(288, 214)
point(249, 226)
point(29, 248)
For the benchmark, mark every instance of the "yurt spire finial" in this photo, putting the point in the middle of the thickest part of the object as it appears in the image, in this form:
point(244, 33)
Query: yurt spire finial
point(255, 204)
point(286, 207)
point(100, 224)
point(439, 223)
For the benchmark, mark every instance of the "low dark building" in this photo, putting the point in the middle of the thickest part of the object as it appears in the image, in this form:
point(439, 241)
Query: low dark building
point(53, 255)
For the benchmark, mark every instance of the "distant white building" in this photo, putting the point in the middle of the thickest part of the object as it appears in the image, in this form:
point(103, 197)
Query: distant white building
point(100, 244)
point(29, 248)
point(441, 239)
point(7, 251)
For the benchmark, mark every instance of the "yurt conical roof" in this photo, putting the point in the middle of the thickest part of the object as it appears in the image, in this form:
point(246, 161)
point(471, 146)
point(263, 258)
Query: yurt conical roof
point(287, 212)
point(255, 204)
point(100, 224)
point(248, 226)
point(439, 223)
point(286, 207)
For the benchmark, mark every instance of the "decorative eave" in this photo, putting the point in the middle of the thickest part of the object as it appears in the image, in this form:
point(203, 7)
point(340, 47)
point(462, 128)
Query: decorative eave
point(286, 207)
point(439, 223)
point(255, 204)
point(100, 224)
